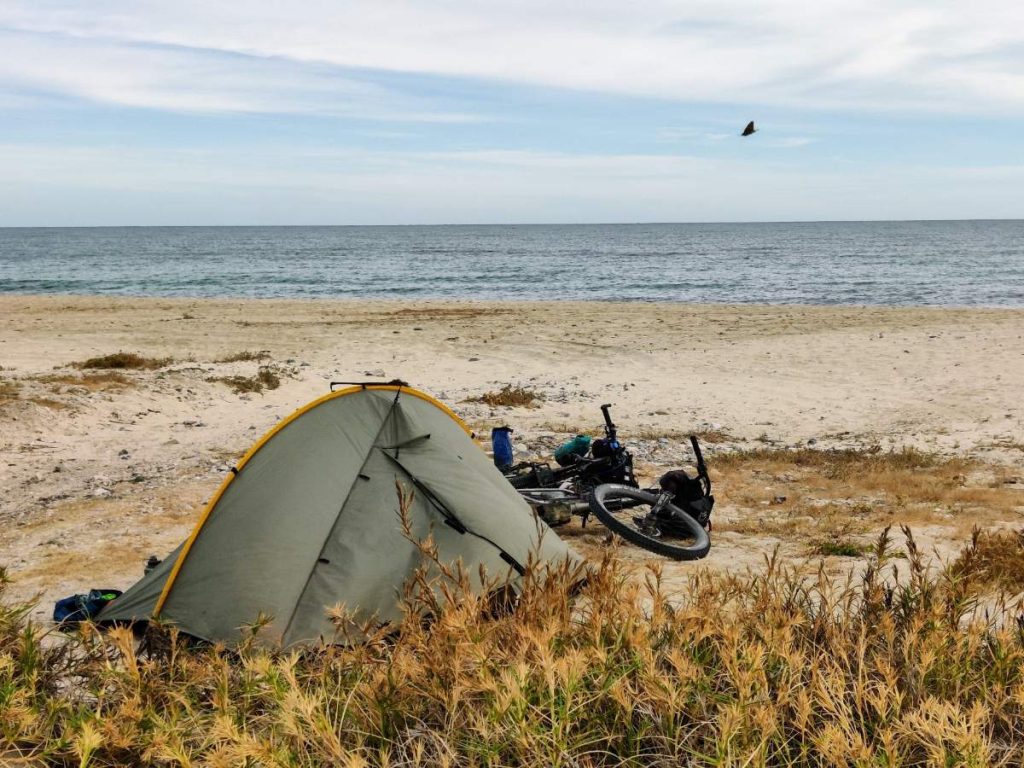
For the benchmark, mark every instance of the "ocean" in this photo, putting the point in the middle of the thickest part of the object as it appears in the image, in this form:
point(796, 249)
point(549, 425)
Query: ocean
point(941, 263)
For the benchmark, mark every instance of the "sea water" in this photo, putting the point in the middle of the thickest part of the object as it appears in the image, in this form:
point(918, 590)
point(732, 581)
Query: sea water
point(966, 263)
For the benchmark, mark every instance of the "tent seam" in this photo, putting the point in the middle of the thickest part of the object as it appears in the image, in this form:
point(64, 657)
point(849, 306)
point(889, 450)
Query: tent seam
point(337, 517)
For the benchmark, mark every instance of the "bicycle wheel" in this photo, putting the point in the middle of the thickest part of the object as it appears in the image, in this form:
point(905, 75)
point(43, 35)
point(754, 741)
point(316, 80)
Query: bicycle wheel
point(626, 511)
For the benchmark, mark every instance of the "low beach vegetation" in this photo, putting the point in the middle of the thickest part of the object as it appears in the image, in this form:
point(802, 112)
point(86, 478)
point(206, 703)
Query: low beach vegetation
point(706, 436)
point(265, 378)
point(814, 495)
point(13, 392)
point(94, 382)
point(776, 668)
point(245, 356)
point(995, 558)
point(9, 391)
point(509, 396)
point(837, 547)
point(124, 361)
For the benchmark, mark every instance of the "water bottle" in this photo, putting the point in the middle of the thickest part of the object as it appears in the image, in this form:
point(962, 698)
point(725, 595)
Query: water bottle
point(501, 444)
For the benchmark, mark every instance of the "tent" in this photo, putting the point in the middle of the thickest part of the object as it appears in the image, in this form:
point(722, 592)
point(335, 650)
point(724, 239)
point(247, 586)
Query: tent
point(309, 520)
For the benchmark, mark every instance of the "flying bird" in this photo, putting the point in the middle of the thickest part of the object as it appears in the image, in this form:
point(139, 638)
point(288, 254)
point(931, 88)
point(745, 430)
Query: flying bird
point(749, 130)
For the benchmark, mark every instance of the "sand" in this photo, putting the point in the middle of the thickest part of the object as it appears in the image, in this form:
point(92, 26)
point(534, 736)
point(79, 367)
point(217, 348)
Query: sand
point(96, 477)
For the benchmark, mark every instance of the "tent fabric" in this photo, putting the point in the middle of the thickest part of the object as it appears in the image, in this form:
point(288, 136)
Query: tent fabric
point(309, 520)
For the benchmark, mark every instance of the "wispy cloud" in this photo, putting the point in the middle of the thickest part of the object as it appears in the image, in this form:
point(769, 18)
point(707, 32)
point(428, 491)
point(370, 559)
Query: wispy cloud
point(915, 55)
point(188, 79)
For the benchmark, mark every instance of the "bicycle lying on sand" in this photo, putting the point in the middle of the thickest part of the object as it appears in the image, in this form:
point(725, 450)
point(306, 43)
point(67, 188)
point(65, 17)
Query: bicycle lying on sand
point(672, 519)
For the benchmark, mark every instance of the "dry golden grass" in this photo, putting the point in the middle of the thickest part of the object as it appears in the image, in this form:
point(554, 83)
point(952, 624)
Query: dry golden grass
point(245, 356)
point(778, 669)
point(839, 464)
point(9, 391)
point(124, 361)
point(814, 494)
point(1006, 444)
point(13, 391)
point(994, 558)
point(510, 397)
point(707, 436)
point(265, 378)
point(48, 402)
point(94, 382)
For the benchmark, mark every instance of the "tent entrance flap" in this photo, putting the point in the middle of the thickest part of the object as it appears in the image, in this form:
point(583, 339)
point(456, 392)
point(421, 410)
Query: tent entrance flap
point(451, 519)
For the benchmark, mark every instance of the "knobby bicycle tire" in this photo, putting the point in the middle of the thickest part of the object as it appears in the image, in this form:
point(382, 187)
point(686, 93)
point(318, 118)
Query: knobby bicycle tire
point(604, 496)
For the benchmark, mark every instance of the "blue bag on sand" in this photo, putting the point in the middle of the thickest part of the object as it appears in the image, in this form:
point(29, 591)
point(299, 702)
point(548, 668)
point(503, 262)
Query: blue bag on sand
point(501, 444)
point(78, 608)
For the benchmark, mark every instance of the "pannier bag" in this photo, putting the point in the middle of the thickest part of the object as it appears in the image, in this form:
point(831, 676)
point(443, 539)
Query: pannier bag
point(70, 611)
point(688, 494)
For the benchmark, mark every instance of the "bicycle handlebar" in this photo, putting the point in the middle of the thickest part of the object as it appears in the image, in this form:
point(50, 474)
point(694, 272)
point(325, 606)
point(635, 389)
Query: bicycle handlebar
point(609, 428)
point(696, 452)
point(702, 468)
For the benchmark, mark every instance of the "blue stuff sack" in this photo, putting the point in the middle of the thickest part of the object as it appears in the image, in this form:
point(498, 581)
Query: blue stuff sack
point(73, 610)
point(501, 444)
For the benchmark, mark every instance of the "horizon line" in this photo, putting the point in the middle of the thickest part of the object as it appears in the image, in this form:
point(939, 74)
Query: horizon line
point(511, 224)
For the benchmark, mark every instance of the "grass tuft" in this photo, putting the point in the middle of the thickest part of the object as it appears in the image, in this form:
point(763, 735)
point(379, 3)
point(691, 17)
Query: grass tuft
point(48, 402)
point(836, 464)
point(837, 548)
point(509, 396)
point(245, 356)
point(94, 382)
point(265, 378)
point(124, 361)
point(9, 391)
point(994, 558)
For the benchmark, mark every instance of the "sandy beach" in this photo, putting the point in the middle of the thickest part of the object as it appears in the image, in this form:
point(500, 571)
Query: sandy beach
point(101, 471)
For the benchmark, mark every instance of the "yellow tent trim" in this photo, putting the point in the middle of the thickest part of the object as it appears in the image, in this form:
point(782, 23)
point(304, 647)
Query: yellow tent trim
point(263, 441)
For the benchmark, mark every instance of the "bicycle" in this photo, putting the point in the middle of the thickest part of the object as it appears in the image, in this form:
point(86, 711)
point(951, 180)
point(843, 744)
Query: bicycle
point(604, 485)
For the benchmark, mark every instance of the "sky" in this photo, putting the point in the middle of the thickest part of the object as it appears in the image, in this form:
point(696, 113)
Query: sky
point(138, 112)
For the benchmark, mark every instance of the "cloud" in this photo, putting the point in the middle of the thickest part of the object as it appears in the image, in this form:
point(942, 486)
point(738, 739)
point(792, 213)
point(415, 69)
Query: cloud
point(174, 78)
point(849, 54)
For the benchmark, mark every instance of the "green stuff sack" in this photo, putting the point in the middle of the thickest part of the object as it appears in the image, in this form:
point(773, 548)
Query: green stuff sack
point(575, 449)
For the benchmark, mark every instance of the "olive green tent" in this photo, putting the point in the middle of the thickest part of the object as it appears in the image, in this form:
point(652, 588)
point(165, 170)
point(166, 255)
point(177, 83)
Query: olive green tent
point(309, 520)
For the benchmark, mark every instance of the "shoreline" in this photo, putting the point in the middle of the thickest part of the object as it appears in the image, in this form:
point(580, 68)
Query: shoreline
point(56, 295)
